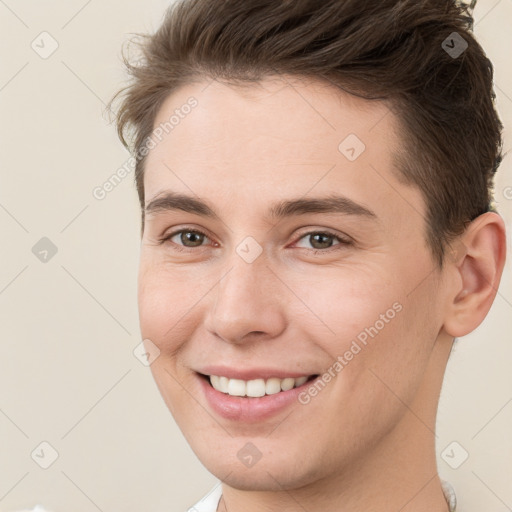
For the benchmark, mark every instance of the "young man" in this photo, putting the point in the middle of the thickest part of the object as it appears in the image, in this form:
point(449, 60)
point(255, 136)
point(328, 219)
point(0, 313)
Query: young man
point(315, 183)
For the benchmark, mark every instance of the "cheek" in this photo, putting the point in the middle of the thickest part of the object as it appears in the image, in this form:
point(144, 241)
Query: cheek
point(351, 302)
point(166, 302)
point(377, 329)
point(163, 304)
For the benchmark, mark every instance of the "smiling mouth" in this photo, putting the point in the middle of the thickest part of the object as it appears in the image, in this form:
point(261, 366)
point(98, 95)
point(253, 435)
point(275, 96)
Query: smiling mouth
point(256, 387)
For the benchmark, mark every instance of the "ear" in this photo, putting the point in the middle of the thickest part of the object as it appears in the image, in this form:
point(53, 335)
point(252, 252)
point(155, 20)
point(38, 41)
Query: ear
point(475, 264)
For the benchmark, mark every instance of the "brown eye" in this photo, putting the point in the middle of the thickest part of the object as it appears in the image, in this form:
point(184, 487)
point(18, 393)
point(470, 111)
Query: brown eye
point(185, 238)
point(193, 237)
point(322, 241)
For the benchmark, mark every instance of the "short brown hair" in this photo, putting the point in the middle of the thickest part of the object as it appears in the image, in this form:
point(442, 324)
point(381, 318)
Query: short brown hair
point(393, 50)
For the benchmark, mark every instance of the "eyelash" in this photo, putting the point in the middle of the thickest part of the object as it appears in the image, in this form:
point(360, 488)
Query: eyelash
point(180, 248)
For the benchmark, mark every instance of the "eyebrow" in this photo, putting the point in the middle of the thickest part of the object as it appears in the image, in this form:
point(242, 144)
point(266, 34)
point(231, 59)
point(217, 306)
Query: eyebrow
point(169, 201)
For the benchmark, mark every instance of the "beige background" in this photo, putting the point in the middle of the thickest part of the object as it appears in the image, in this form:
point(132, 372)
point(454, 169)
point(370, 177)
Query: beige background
point(69, 326)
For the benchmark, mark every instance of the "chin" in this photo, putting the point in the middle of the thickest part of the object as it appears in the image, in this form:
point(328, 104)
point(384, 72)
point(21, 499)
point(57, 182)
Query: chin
point(276, 470)
point(261, 479)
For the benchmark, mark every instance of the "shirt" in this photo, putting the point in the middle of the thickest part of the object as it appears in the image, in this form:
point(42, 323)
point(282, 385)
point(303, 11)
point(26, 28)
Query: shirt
point(210, 502)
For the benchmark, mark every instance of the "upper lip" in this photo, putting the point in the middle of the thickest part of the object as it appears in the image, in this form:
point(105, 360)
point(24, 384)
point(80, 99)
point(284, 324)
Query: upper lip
point(250, 373)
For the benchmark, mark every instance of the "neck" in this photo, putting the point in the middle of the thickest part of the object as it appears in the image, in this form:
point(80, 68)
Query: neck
point(399, 474)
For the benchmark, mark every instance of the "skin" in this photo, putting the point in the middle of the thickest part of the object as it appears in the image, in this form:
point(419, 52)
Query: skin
point(366, 441)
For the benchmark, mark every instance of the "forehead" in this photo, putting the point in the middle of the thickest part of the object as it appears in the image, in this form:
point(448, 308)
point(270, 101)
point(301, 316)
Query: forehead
point(255, 141)
point(300, 119)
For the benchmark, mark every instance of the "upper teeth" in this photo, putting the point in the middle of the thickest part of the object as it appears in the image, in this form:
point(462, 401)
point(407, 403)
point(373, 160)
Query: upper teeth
point(256, 387)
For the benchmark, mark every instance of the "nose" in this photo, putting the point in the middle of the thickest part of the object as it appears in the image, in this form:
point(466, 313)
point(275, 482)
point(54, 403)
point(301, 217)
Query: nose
point(248, 302)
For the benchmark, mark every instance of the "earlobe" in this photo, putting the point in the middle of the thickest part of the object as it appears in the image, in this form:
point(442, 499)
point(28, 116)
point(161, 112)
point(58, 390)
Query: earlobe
point(476, 271)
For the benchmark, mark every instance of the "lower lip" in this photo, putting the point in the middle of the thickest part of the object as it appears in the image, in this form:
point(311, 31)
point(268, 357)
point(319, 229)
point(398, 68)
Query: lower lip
point(250, 409)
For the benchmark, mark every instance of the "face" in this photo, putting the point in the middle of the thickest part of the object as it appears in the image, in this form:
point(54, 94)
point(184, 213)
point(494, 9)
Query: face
point(268, 283)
